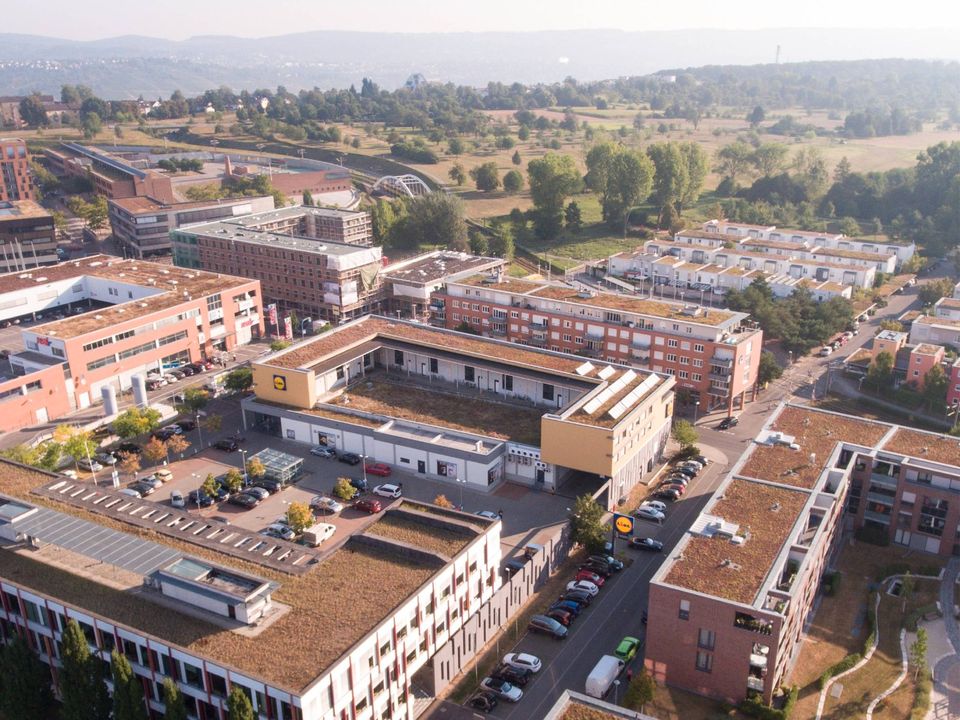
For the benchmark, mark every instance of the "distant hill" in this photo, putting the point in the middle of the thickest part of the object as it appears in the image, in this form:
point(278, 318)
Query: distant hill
point(129, 66)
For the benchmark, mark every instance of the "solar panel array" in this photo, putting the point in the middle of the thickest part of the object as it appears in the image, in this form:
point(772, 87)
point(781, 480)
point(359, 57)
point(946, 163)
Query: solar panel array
point(96, 541)
point(608, 392)
point(632, 397)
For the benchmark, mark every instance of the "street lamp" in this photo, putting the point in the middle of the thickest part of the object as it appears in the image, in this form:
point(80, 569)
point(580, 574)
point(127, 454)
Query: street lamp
point(243, 460)
point(616, 692)
point(199, 432)
point(461, 483)
point(363, 463)
point(696, 408)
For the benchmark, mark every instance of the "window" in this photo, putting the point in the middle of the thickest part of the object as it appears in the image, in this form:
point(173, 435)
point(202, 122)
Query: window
point(704, 662)
point(707, 639)
point(698, 348)
point(398, 357)
point(469, 373)
point(214, 302)
point(434, 366)
point(684, 610)
point(547, 391)
point(671, 343)
point(671, 357)
point(508, 382)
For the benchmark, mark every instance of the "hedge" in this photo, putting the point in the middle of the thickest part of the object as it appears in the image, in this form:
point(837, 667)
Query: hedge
point(848, 662)
point(754, 707)
point(921, 698)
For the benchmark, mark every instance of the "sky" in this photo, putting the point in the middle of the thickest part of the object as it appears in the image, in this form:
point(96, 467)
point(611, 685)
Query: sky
point(179, 19)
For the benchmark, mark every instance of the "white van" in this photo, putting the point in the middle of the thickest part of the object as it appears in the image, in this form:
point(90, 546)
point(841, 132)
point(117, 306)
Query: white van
point(313, 536)
point(601, 678)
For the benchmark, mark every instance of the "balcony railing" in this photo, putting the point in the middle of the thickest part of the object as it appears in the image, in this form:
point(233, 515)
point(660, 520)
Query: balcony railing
point(885, 480)
point(755, 683)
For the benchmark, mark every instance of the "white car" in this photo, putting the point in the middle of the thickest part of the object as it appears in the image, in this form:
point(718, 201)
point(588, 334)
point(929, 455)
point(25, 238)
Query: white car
point(152, 480)
point(390, 491)
point(279, 531)
point(89, 465)
point(163, 475)
point(177, 499)
point(502, 689)
point(131, 492)
point(324, 504)
point(649, 513)
point(72, 474)
point(323, 451)
point(584, 585)
point(522, 661)
point(698, 466)
point(825, 351)
point(655, 504)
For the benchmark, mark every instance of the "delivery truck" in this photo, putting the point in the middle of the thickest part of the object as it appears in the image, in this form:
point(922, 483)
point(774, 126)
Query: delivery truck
point(601, 678)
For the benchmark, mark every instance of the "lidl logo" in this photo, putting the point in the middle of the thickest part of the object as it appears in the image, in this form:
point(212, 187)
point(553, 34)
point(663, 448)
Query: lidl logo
point(623, 524)
point(279, 382)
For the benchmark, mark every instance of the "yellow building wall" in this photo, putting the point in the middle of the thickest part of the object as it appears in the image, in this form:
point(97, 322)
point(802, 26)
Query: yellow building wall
point(580, 447)
point(295, 388)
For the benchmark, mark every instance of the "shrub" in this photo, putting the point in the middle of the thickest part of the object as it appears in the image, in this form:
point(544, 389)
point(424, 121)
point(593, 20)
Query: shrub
point(921, 698)
point(343, 489)
point(848, 662)
point(754, 707)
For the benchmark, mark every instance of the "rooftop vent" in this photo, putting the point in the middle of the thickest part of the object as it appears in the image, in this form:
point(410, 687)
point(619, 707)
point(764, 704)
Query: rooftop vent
point(165, 272)
point(98, 317)
point(40, 279)
point(775, 507)
point(143, 304)
point(692, 310)
point(728, 563)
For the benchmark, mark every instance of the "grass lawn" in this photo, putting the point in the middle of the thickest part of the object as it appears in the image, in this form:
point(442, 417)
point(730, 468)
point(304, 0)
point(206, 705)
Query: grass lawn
point(838, 629)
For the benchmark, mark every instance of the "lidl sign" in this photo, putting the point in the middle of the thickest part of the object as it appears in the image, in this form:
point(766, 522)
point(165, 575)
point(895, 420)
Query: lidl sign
point(623, 524)
point(279, 382)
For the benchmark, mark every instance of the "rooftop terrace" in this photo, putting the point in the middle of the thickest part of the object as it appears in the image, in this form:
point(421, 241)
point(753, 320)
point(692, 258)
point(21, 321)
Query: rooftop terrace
point(434, 267)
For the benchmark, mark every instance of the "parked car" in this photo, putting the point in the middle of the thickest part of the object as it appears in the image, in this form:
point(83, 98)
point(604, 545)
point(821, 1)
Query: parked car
point(163, 475)
point(600, 569)
point(681, 488)
point(244, 500)
point(483, 701)
point(688, 471)
point(564, 617)
point(502, 689)
point(72, 474)
point(378, 469)
point(702, 459)
point(257, 492)
point(151, 480)
point(132, 492)
point(227, 445)
point(349, 458)
point(649, 513)
point(163, 434)
point(187, 371)
point(177, 499)
point(610, 561)
point(270, 485)
point(627, 649)
point(388, 491)
point(513, 565)
point(568, 605)
point(728, 422)
point(105, 458)
point(370, 505)
point(585, 585)
point(692, 464)
point(323, 504)
point(143, 488)
point(826, 351)
point(198, 498)
point(514, 676)
point(645, 543)
point(655, 504)
point(128, 449)
point(547, 626)
point(360, 484)
point(590, 576)
point(89, 465)
point(323, 451)
point(667, 494)
point(488, 514)
point(155, 384)
point(279, 531)
point(579, 596)
point(187, 425)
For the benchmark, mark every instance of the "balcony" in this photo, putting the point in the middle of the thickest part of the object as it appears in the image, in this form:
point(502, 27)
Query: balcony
point(880, 498)
point(726, 363)
point(885, 480)
point(745, 621)
point(876, 517)
point(754, 683)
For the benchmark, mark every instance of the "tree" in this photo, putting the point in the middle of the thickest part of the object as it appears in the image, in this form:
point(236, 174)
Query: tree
point(734, 160)
point(213, 423)
point(907, 585)
point(770, 159)
point(32, 111)
point(935, 386)
point(930, 292)
point(307, 197)
point(209, 486)
point(455, 146)
point(880, 372)
point(513, 181)
point(83, 693)
point(515, 158)
point(437, 218)
point(233, 480)
point(177, 444)
point(640, 691)
point(136, 421)
point(299, 517)
point(75, 442)
point(127, 690)
point(457, 174)
point(769, 369)
point(129, 463)
point(684, 433)
point(278, 345)
point(552, 179)
point(155, 450)
point(94, 213)
point(572, 216)
point(238, 705)
point(441, 501)
point(502, 243)
point(756, 116)
point(622, 177)
point(486, 176)
point(918, 652)
point(849, 226)
point(195, 399)
point(343, 489)
point(586, 523)
point(91, 125)
point(255, 468)
point(174, 706)
point(24, 682)
point(670, 176)
point(239, 380)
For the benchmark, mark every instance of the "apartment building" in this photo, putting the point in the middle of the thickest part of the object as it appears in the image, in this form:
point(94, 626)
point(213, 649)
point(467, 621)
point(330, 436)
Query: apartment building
point(728, 607)
point(142, 225)
point(456, 407)
point(911, 363)
point(15, 180)
point(410, 283)
point(123, 318)
point(111, 176)
point(277, 631)
point(713, 354)
point(28, 236)
point(321, 279)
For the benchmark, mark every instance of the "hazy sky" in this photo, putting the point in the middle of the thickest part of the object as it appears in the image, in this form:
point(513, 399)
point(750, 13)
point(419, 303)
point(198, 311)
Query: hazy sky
point(178, 19)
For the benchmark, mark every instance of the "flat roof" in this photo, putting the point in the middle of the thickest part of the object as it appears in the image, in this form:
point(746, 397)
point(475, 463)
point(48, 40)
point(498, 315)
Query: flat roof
point(146, 204)
point(20, 210)
point(322, 622)
point(171, 283)
point(852, 254)
point(781, 244)
point(714, 565)
point(434, 267)
point(922, 445)
point(705, 234)
point(927, 349)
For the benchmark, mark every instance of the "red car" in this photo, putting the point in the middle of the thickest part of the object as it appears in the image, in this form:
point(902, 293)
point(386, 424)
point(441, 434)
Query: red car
point(369, 504)
point(590, 577)
point(381, 469)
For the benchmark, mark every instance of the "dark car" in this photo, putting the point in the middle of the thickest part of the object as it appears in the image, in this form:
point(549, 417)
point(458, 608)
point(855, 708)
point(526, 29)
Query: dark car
point(514, 676)
point(548, 626)
point(568, 605)
point(359, 483)
point(727, 423)
point(349, 458)
point(702, 460)
point(143, 488)
point(199, 498)
point(688, 471)
point(187, 425)
point(577, 596)
point(676, 487)
point(645, 543)
point(601, 569)
point(244, 500)
point(271, 486)
point(564, 617)
point(127, 449)
point(187, 370)
point(611, 562)
point(667, 493)
point(483, 701)
point(197, 367)
point(163, 434)
point(227, 445)
point(512, 566)
point(370, 505)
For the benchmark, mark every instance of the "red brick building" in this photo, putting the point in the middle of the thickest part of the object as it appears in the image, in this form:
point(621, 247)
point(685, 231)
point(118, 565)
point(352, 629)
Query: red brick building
point(712, 353)
point(111, 177)
point(15, 180)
